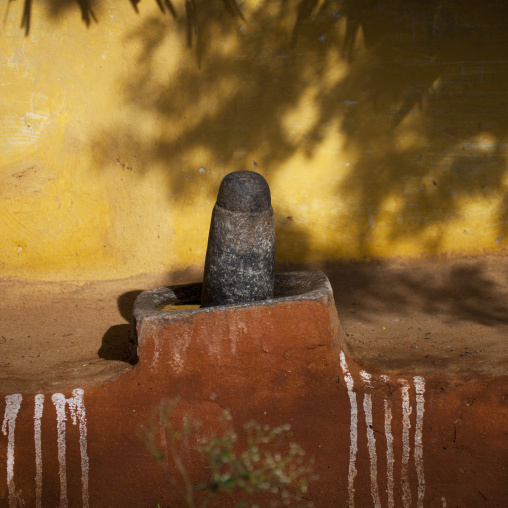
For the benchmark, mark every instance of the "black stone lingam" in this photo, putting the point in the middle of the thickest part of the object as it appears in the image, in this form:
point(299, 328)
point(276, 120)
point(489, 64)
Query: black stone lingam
point(240, 259)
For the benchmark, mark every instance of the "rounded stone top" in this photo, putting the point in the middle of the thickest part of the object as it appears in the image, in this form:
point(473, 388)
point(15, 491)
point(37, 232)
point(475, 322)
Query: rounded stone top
point(244, 191)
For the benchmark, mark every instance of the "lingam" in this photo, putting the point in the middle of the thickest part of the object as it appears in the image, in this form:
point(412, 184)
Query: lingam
point(240, 259)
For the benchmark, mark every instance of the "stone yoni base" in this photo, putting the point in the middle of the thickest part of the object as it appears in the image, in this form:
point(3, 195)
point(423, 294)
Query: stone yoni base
point(302, 314)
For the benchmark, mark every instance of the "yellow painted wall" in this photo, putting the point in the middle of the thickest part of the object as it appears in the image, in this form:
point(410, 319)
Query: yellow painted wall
point(381, 127)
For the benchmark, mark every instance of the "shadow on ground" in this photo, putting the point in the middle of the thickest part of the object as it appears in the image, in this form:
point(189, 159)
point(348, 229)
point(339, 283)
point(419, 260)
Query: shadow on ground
point(116, 343)
point(464, 290)
point(443, 315)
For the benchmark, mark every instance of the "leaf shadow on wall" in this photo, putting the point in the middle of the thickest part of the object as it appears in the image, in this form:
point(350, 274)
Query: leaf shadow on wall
point(419, 106)
point(443, 63)
point(58, 8)
point(414, 92)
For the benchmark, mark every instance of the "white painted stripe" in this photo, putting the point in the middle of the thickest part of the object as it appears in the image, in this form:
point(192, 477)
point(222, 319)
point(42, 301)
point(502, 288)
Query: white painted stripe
point(420, 400)
point(371, 440)
point(443, 500)
point(39, 407)
point(13, 403)
point(59, 402)
point(389, 453)
point(353, 433)
point(390, 459)
point(406, 425)
point(77, 408)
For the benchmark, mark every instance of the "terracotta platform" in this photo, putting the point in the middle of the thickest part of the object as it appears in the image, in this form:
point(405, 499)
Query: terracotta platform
point(379, 439)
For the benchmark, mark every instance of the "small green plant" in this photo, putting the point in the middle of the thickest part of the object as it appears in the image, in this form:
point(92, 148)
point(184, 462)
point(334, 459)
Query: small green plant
point(267, 466)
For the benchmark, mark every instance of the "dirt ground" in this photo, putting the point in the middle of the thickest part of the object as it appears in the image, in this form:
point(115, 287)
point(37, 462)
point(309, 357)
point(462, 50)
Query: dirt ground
point(435, 316)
